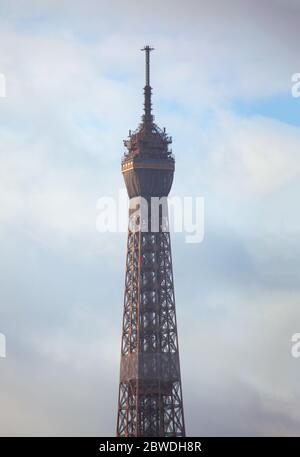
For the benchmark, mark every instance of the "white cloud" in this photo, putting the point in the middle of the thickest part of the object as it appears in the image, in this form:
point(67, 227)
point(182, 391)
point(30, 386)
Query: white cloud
point(253, 156)
point(247, 349)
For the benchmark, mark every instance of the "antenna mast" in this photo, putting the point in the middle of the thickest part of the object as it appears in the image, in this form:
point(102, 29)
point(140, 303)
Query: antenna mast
point(147, 118)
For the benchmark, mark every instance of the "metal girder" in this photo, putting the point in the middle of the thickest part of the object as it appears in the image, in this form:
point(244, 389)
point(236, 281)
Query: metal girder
point(150, 392)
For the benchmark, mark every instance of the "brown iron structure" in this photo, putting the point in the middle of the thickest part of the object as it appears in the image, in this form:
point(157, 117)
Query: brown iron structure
point(150, 393)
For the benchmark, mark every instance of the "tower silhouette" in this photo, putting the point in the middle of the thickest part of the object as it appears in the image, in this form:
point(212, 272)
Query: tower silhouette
point(150, 392)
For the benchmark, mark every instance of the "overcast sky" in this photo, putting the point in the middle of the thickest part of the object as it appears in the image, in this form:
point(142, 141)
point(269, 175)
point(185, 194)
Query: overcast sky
point(221, 77)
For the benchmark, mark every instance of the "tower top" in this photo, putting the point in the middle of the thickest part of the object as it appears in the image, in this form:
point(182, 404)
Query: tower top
point(148, 140)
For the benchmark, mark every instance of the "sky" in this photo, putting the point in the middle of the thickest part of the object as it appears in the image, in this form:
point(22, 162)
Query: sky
point(221, 76)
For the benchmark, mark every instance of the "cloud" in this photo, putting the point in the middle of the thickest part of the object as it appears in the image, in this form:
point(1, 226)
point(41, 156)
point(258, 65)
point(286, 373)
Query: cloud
point(253, 155)
point(244, 368)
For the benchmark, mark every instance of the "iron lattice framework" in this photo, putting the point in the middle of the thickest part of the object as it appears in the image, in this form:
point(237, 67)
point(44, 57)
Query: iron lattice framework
point(150, 392)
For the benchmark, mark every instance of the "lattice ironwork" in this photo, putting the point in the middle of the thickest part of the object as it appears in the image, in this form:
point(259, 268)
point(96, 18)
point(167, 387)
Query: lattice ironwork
point(150, 395)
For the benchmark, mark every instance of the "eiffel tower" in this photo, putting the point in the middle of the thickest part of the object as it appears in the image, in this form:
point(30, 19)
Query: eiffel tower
point(150, 393)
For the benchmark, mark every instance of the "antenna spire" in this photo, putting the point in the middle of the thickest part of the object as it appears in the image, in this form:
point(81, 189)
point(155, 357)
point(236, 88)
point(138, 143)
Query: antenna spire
point(147, 118)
